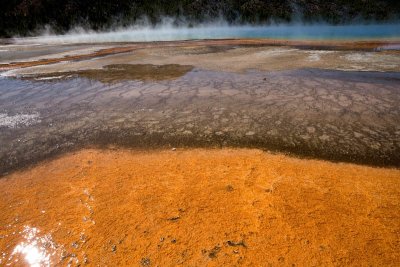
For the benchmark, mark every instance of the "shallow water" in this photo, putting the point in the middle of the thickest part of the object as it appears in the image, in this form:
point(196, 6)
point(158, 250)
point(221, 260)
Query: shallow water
point(168, 33)
point(346, 116)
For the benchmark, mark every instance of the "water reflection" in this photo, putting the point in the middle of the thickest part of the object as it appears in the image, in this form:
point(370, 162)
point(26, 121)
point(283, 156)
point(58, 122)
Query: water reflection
point(36, 250)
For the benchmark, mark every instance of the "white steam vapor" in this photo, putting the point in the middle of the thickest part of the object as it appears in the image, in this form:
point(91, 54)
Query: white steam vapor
point(218, 30)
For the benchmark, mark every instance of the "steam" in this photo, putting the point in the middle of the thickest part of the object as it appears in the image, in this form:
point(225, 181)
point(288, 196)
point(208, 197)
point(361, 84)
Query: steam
point(168, 31)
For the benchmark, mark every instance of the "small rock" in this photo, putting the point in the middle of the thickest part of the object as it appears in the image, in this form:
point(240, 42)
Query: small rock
point(305, 136)
point(113, 248)
point(85, 259)
point(64, 255)
point(83, 237)
point(175, 218)
point(173, 149)
point(229, 188)
point(145, 262)
point(311, 129)
point(213, 253)
point(375, 145)
point(236, 244)
point(324, 137)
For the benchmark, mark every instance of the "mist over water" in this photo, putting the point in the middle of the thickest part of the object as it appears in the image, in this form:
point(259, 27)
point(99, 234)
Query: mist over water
point(221, 31)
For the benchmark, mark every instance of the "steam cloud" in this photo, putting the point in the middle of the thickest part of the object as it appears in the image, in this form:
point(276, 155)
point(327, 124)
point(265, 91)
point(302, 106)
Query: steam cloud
point(167, 31)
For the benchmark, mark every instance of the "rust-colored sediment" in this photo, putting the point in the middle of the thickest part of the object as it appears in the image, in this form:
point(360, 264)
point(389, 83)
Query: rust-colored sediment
point(200, 208)
point(99, 53)
point(129, 47)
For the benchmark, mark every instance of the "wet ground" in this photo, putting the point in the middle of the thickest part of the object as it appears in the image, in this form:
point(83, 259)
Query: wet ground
point(343, 116)
point(199, 207)
point(101, 163)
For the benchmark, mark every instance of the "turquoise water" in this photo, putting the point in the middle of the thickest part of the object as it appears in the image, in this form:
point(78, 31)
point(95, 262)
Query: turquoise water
point(169, 33)
point(322, 32)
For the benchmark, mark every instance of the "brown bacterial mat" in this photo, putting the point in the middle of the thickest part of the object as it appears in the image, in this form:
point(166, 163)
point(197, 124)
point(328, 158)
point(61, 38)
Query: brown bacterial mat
point(125, 72)
point(199, 207)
